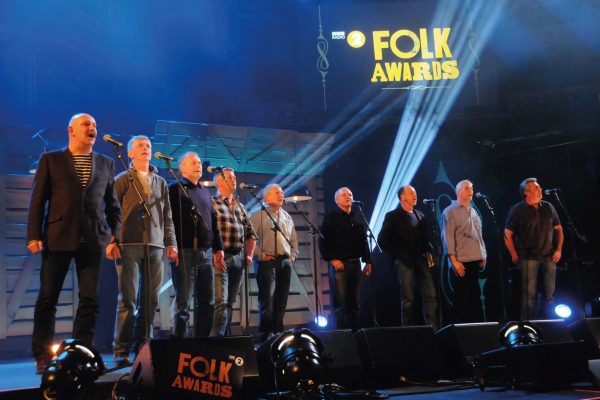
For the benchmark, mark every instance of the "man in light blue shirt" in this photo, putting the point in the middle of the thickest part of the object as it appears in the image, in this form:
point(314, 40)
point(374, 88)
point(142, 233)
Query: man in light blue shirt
point(463, 243)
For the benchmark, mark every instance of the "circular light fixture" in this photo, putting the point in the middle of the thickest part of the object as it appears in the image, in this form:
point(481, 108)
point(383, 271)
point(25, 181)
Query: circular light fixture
point(563, 311)
point(522, 333)
point(321, 321)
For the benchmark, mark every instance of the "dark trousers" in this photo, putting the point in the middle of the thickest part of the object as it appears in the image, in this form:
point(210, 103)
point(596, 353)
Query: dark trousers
point(410, 275)
point(467, 295)
point(194, 272)
point(344, 287)
point(273, 280)
point(55, 265)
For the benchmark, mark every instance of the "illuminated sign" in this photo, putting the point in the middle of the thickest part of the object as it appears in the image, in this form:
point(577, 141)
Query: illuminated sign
point(408, 56)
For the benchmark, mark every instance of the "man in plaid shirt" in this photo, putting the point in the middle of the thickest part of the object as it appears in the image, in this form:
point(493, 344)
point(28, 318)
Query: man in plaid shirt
point(239, 241)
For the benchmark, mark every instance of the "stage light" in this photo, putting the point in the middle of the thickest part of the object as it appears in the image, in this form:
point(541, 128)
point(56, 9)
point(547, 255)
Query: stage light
point(296, 358)
point(54, 348)
point(562, 311)
point(522, 333)
point(321, 321)
point(74, 369)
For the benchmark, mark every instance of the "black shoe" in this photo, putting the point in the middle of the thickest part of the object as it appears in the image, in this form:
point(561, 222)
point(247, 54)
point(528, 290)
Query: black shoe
point(121, 359)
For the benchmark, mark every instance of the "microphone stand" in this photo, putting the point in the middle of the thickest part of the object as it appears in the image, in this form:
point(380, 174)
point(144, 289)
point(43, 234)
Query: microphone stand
point(574, 234)
point(143, 205)
point(499, 243)
point(371, 237)
point(276, 228)
point(196, 216)
point(314, 232)
point(437, 249)
point(246, 222)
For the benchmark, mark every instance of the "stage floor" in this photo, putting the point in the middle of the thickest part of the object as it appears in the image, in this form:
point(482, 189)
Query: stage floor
point(18, 380)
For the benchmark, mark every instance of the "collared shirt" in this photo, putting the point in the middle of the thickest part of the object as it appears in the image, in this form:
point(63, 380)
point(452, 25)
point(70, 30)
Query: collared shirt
point(461, 233)
point(132, 233)
point(533, 229)
point(233, 225)
point(345, 237)
point(264, 229)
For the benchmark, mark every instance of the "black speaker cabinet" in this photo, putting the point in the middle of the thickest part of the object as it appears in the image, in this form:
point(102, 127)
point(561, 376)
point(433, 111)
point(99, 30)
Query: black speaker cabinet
point(553, 330)
point(149, 367)
point(393, 356)
point(588, 330)
point(459, 343)
point(342, 361)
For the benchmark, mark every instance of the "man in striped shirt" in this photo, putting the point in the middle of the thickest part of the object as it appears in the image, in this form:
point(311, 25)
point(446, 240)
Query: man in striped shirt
point(73, 214)
point(239, 241)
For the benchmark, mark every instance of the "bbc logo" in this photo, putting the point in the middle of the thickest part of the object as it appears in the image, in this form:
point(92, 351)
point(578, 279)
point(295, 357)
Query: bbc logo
point(338, 35)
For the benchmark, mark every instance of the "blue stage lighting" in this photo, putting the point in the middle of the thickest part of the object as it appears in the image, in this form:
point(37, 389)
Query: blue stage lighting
point(426, 110)
point(321, 321)
point(563, 311)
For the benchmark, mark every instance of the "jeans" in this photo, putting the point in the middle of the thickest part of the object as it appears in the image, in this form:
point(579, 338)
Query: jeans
point(467, 295)
point(195, 272)
point(408, 277)
point(227, 286)
point(529, 282)
point(55, 265)
point(139, 282)
point(344, 288)
point(273, 280)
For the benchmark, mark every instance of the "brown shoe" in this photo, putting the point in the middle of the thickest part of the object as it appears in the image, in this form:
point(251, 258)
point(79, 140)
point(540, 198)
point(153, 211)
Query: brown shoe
point(41, 363)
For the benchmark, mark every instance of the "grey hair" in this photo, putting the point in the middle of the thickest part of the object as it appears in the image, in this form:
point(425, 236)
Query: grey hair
point(524, 184)
point(460, 184)
point(135, 139)
point(269, 187)
point(186, 155)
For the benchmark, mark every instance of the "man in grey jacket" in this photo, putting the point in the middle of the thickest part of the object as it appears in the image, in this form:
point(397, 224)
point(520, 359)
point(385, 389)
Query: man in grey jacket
point(143, 241)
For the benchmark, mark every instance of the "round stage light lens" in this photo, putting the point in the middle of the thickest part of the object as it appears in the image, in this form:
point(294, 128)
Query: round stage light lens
point(321, 321)
point(563, 311)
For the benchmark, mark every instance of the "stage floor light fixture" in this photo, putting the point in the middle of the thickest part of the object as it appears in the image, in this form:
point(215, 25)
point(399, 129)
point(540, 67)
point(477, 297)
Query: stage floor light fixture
point(73, 371)
point(521, 333)
point(563, 311)
point(296, 358)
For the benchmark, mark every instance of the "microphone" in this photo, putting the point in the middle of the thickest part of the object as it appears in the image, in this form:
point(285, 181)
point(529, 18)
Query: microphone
point(480, 195)
point(357, 203)
point(247, 186)
point(161, 156)
point(428, 201)
point(217, 168)
point(108, 139)
point(548, 192)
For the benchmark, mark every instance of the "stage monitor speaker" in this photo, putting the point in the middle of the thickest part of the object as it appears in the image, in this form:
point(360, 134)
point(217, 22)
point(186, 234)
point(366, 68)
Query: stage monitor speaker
point(459, 343)
point(553, 330)
point(150, 366)
point(342, 360)
point(588, 330)
point(393, 356)
point(536, 366)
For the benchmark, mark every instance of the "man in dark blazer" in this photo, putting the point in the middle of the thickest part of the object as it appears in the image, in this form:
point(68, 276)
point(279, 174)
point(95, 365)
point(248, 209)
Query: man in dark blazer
point(73, 214)
point(404, 236)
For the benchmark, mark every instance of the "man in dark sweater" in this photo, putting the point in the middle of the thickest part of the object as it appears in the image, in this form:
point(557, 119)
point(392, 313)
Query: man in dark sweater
point(404, 236)
point(200, 247)
point(344, 245)
point(534, 239)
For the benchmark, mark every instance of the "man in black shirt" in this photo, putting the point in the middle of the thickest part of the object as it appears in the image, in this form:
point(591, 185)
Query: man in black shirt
point(404, 236)
point(344, 245)
point(532, 227)
point(198, 236)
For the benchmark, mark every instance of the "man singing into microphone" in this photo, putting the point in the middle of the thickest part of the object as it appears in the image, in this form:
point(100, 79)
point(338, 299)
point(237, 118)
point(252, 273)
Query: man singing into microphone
point(73, 214)
point(532, 226)
point(276, 253)
point(144, 241)
point(463, 243)
point(200, 242)
point(404, 236)
point(239, 241)
point(344, 245)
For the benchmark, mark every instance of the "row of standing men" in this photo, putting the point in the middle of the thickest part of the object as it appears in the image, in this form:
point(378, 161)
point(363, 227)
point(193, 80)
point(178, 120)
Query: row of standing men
point(80, 211)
